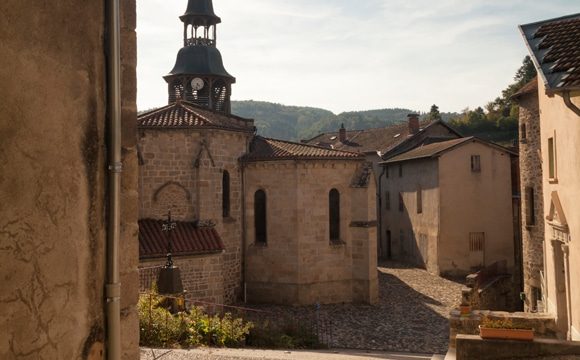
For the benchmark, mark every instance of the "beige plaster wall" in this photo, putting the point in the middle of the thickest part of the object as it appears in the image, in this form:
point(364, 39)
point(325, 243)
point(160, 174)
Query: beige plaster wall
point(182, 170)
point(475, 202)
point(299, 265)
point(417, 175)
point(52, 181)
point(560, 122)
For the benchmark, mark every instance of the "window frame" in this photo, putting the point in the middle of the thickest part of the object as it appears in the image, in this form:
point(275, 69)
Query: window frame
point(476, 163)
point(226, 194)
point(334, 216)
point(260, 230)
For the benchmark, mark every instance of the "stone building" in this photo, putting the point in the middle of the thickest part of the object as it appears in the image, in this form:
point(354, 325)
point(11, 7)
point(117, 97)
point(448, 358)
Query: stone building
point(314, 225)
point(448, 206)
point(532, 194)
point(54, 252)
point(255, 217)
point(555, 50)
point(381, 143)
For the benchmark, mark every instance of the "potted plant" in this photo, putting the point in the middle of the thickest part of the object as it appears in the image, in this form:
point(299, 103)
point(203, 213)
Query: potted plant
point(504, 329)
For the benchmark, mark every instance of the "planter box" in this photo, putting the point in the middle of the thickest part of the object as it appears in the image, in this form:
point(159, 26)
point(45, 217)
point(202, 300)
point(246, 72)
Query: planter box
point(506, 334)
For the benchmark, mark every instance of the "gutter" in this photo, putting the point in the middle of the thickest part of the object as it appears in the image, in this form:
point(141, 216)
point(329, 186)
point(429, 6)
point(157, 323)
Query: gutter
point(569, 103)
point(113, 286)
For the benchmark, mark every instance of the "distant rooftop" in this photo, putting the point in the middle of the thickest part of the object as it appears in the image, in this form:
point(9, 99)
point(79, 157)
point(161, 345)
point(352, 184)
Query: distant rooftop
point(265, 149)
point(555, 48)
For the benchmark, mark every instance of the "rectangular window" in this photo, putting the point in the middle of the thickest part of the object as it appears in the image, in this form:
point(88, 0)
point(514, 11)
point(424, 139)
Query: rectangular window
point(400, 170)
point(401, 203)
point(523, 132)
point(477, 250)
point(530, 211)
point(387, 201)
point(475, 163)
point(552, 158)
point(419, 201)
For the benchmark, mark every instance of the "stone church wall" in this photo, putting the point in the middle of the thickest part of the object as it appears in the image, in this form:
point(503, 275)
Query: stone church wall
point(182, 170)
point(53, 181)
point(299, 264)
point(531, 177)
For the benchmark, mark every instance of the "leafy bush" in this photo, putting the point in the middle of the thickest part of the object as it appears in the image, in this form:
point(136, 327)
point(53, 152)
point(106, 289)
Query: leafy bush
point(159, 328)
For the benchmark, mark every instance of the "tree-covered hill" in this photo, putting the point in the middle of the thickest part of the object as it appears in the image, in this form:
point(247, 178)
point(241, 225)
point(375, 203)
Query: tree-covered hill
point(296, 123)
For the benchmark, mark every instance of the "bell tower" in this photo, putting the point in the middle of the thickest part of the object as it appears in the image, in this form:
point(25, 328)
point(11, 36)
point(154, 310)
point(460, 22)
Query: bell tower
point(199, 75)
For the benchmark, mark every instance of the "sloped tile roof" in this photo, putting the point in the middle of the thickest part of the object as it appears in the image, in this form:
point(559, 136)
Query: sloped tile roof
point(264, 149)
point(531, 87)
point(372, 140)
point(183, 115)
point(187, 239)
point(555, 48)
point(429, 150)
point(438, 148)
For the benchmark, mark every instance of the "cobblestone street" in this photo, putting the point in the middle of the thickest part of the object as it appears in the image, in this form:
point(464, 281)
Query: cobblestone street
point(412, 314)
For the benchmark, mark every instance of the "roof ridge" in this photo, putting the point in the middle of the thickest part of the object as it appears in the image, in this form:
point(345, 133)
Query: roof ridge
point(307, 145)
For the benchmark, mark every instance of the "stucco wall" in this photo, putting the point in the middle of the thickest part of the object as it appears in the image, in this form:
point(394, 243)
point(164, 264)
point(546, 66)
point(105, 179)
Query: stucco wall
point(52, 181)
point(560, 122)
point(299, 265)
point(420, 231)
point(475, 202)
point(182, 170)
point(531, 177)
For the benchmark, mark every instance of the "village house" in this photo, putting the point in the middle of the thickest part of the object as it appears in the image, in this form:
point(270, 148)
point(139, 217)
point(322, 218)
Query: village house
point(555, 50)
point(381, 143)
point(448, 206)
point(532, 211)
point(257, 219)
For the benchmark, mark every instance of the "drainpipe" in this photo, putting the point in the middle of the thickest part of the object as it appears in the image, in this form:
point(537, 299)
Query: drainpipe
point(569, 103)
point(113, 286)
point(380, 203)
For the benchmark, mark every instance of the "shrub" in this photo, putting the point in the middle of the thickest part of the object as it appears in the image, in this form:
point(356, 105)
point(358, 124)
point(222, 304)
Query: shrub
point(159, 328)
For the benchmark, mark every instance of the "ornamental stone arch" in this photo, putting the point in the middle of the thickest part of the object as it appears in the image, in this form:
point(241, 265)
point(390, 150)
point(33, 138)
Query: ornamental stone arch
point(175, 197)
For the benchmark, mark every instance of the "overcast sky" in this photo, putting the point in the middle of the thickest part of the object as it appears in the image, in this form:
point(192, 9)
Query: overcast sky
point(346, 55)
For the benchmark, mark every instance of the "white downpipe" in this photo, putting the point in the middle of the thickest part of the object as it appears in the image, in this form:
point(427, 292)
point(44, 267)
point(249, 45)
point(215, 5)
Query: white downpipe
point(113, 286)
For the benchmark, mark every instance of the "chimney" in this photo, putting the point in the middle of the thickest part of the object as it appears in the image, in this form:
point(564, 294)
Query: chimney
point(342, 133)
point(413, 123)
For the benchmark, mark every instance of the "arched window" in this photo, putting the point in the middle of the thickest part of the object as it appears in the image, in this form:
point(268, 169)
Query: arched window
point(334, 215)
point(260, 216)
point(226, 194)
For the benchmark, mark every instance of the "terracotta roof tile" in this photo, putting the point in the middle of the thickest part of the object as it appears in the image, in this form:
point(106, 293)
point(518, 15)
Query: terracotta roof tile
point(264, 149)
point(187, 239)
point(555, 48)
point(437, 148)
point(530, 87)
point(181, 115)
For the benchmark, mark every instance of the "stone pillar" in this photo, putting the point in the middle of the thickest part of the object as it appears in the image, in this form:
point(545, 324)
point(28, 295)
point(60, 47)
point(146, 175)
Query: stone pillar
point(363, 231)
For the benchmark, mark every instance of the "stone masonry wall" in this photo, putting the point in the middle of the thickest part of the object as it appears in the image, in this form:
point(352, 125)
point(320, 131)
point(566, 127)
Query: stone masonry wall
point(202, 277)
point(299, 264)
point(531, 176)
point(182, 170)
point(53, 181)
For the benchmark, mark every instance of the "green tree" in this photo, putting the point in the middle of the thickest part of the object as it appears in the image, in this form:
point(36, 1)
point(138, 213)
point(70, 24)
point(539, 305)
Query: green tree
point(434, 113)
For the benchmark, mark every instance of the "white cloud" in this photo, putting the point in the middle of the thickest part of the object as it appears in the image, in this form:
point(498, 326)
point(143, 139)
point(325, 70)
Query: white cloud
point(348, 55)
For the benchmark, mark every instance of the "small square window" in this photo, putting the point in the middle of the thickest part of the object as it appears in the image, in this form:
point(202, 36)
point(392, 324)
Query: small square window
point(475, 163)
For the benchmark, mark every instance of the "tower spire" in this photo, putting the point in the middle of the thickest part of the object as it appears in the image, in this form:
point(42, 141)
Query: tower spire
point(199, 75)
